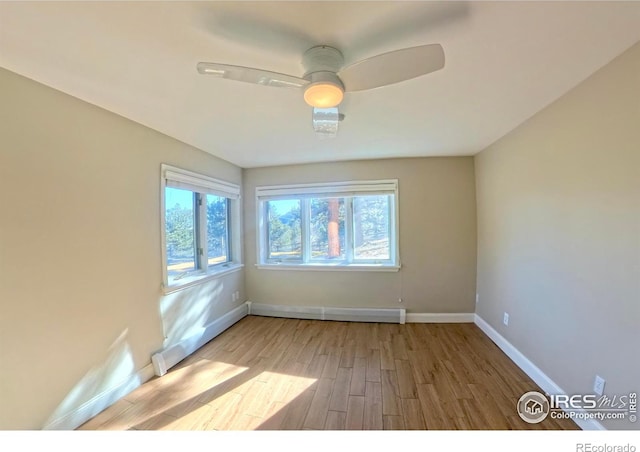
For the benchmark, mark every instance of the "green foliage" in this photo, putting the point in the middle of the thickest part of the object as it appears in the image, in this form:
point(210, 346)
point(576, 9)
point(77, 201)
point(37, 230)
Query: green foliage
point(217, 241)
point(371, 217)
point(180, 232)
point(285, 230)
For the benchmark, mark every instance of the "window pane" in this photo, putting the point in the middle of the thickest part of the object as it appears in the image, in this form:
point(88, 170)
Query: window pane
point(179, 233)
point(284, 231)
point(327, 228)
point(217, 230)
point(371, 227)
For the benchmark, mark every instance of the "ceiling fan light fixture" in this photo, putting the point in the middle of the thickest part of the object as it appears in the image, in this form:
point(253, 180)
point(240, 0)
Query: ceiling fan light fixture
point(323, 94)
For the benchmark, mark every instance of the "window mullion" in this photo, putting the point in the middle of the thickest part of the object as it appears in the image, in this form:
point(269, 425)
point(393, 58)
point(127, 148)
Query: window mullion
point(391, 228)
point(201, 231)
point(264, 217)
point(196, 234)
point(228, 236)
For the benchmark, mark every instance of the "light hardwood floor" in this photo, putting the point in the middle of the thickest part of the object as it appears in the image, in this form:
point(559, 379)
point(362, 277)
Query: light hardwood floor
point(285, 374)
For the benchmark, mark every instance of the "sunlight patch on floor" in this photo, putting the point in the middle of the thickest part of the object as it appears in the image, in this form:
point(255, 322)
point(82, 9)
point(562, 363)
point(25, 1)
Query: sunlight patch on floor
point(236, 398)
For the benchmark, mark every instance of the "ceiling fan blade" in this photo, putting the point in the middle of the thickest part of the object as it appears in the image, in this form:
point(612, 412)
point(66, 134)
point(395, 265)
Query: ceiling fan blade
point(392, 67)
point(251, 75)
point(254, 26)
point(405, 20)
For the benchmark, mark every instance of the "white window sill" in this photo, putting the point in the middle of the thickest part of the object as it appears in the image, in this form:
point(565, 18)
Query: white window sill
point(190, 281)
point(330, 267)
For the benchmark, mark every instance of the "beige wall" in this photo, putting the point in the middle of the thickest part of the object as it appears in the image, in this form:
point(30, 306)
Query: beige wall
point(558, 243)
point(80, 257)
point(559, 234)
point(437, 239)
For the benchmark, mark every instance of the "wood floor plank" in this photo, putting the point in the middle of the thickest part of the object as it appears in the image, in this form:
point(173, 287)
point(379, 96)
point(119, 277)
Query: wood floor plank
point(340, 391)
point(317, 413)
point(355, 413)
point(268, 373)
point(412, 413)
point(336, 420)
point(257, 401)
point(489, 406)
point(387, 361)
point(393, 423)
point(412, 338)
point(348, 353)
point(399, 347)
point(242, 421)
point(373, 365)
point(373, 406)
point(197, 419)
point(334, 335)
point(362, 346)
point(157, 422)
point(315, 367)
point(449, 401)
point(390, 394)
point(225, 411)
point(459, 379)
point(372, 333)
point(434, 413)
point(421, 362)
point(309, 350)
point(358, 377)
point(275, 416)
point(406, 383)
point(474, 415)
point(109, 413)
point(385, 331)
point(332, 362)
point(297, 411)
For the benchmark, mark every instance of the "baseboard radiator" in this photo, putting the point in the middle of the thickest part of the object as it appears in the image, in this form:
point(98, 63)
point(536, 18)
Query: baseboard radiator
point(381, 315)
point(170, 356)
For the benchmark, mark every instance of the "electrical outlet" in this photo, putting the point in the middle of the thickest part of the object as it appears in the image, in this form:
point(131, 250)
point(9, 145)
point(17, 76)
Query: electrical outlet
point(237, 295)
point(598, 385)
point(505, 320)
point(477, 298)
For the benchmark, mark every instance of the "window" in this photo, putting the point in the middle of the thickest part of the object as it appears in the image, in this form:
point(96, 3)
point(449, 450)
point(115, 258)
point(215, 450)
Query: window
point(345, 225)
point(200, 227)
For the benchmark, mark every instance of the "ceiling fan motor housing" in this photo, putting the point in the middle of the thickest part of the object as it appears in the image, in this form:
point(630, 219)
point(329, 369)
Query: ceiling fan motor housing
point(321, 59)
point(321, 64)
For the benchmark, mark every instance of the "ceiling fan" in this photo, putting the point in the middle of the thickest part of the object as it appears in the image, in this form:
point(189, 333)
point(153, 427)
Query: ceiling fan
point(325, 80)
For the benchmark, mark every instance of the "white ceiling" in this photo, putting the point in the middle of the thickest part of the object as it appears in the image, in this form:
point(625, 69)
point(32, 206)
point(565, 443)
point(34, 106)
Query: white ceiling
point(504, 62)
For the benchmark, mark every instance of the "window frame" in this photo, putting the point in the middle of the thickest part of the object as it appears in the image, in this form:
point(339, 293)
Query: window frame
point(305, 192)
point(201, 185)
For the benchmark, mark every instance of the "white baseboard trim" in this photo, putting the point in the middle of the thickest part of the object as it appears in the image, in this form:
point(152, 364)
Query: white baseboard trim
point(165, 359)
point(422, 317)
point(383, 315)
point(537, 375)
point(98, 403)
